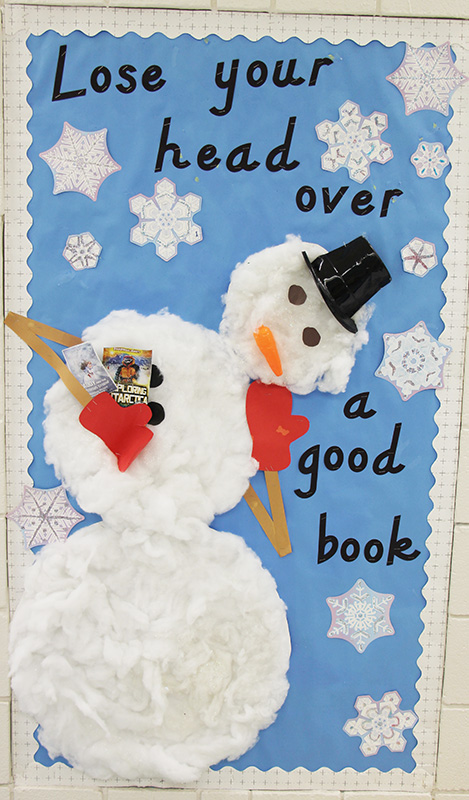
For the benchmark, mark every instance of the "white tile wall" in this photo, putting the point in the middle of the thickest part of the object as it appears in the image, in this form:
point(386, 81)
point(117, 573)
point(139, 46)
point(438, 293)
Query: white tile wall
point(151, 794)
point(453, 764)
point(53, 793)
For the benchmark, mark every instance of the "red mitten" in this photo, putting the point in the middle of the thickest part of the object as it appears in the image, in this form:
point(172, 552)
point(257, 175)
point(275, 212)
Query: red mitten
point(272, 425)
point(122, 429)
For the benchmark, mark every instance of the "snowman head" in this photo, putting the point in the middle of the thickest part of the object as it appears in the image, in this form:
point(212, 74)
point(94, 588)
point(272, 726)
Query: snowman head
point(278, 319)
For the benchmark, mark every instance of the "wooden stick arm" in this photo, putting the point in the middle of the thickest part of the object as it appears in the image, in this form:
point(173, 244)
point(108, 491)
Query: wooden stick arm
point(29, 331)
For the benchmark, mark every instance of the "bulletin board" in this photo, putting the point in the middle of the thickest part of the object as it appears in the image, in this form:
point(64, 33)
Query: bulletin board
point(250, 128)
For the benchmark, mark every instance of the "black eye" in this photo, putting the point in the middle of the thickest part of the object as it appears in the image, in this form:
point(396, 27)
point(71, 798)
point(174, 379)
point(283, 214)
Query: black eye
point(311, 337)
point(296, 295)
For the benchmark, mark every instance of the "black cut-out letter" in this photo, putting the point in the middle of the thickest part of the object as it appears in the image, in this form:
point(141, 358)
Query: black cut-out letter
point(319, 62)
point(95, 85)
point(329, 204)
point(310, 468)
point(289, 79)
point(263, 72)
point(59, 73)
point(397, 546)
point(388, 195)
point(325, 541)
point(207, 158)
point(283, 150)
point(229, 84)
point(310, 202)
point(360, 401)
point(384, 462)
point(124, 72)
point(243, 152)
point(361, 203)
point(165, 146)
point(151, 78)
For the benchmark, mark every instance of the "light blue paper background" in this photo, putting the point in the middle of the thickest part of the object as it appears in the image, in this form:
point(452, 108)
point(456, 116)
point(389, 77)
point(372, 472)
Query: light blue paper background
point(241, 214)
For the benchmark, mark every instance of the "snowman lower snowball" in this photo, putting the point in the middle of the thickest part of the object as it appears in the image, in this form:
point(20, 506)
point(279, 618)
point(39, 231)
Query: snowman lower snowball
point(150, 645)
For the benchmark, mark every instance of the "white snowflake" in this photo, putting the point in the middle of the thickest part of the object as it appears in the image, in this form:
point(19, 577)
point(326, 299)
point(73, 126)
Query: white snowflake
point(82, 251)
point(165, 219)
point(413, 360)
point(419, 257)
point(360, 615)
point(354, 141)
point(380, 723)
point(427, 78)
point(45, 515)
point(430, 160)
point(80, 161)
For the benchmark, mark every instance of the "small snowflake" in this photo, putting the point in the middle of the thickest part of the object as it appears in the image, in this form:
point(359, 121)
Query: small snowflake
point(80, 161)
point(82, 251)
point(354, 141)
point(380, 723)
point(360, 616)
point(44, 515)
point(413, 361)
point(419, 257)
point(165, 219)
point(430, 159)
point(427, 78)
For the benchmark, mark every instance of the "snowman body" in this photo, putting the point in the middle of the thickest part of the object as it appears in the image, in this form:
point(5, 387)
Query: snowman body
point(150, 645)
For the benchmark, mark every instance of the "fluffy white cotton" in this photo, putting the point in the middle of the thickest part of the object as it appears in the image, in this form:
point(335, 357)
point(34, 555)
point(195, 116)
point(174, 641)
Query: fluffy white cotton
point(199, 460)
point(258, 295)
point(150, 661)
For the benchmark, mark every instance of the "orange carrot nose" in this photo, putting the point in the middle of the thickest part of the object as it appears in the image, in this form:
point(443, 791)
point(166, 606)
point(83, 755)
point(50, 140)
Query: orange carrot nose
point(266, 343)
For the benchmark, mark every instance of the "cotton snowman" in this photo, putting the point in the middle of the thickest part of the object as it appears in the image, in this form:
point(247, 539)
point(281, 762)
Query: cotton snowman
point(150, 645)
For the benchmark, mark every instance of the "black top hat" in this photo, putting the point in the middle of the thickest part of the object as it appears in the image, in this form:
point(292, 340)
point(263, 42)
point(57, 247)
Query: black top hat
point(348, 277)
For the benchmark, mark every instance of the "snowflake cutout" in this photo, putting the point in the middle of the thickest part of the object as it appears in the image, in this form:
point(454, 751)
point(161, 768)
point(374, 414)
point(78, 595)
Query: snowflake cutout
point(45, 515)
point(419, 257)
point(380, 723)
point(360, 616)
point(80, 161)
point(82, 251)
point(430, 160)
point(413, 361)
point(165, 219)
point(354, 141)
point(427, 78)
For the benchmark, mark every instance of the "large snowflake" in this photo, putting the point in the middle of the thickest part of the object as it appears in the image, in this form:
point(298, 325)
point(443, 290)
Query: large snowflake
point(44, 515)
point(427, 78)
point(354, 141)
point(380, 723)
point(360, 615)
point(80, 161)
point(413, 360)
point(165, 219)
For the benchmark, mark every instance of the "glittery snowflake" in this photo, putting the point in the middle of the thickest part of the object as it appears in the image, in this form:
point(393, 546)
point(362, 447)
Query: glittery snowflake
point(430, 159)
point(419, 257)
point(427, 78)
point(380, 723)
point(165, 219)
point(44, 515)
point(354, 141)
point(360, 616)
point(80, 161)
point(413, 361)
point(82, 251)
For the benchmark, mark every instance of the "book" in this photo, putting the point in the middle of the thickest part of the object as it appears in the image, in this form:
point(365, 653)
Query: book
point(130, 370)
